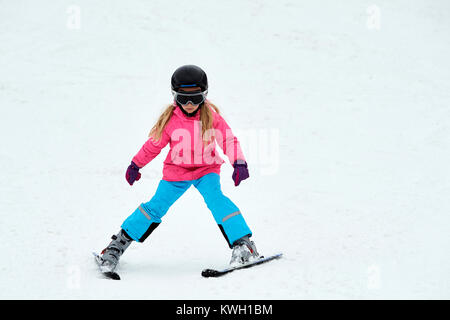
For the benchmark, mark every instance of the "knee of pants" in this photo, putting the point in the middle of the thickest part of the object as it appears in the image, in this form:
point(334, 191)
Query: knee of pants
point(221, 207)
point(140, 224)
point(219, 204)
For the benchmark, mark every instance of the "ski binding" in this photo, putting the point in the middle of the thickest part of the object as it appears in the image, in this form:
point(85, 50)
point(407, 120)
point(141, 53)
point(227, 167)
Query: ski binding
point(106, 272)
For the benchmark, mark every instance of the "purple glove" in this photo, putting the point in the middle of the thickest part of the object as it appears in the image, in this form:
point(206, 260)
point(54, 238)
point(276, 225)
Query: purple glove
point(132, 174)
point(240, 171)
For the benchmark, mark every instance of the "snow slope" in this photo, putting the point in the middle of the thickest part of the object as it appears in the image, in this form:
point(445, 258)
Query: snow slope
point(342, 109)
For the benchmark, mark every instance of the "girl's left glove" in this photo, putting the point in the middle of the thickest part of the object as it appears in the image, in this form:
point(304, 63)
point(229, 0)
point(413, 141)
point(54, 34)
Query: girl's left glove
point(133, 173)
point(240, 171)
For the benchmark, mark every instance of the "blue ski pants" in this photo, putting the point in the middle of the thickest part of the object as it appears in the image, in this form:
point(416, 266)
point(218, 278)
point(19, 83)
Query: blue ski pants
point(141, 223)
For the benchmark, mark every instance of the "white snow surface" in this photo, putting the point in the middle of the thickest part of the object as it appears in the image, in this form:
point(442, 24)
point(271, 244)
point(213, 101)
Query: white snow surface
point(343, 113)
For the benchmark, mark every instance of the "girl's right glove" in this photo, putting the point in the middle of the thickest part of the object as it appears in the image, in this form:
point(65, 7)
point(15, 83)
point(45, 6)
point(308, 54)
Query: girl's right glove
point(240, 171)
point(133, 173)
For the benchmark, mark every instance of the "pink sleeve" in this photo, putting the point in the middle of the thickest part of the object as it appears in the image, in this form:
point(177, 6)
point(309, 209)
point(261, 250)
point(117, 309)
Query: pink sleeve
point(150, 150)
point(227, 141)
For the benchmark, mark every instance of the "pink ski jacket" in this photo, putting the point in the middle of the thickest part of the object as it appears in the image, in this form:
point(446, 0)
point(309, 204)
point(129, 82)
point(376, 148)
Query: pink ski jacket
point(189, 158)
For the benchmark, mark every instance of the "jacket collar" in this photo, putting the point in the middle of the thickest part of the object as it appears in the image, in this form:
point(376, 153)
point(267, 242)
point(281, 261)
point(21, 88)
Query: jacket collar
point(181, 115)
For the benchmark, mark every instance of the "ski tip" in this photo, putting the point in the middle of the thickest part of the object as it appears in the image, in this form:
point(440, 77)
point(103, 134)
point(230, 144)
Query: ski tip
point(209, 273)
point(112, 275)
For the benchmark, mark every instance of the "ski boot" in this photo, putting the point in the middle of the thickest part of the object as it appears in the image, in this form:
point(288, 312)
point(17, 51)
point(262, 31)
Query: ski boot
point(111, 254)
point(244, 251)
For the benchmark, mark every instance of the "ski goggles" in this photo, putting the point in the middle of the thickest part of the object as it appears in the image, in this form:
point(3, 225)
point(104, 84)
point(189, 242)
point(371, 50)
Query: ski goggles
point(194, 98)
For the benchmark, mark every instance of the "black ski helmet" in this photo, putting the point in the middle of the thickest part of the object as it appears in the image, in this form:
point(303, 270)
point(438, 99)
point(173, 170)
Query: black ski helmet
point(189, 76)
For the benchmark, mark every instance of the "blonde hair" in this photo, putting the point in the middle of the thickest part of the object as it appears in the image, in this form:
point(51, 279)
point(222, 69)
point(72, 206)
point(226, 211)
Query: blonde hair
point(206, 119)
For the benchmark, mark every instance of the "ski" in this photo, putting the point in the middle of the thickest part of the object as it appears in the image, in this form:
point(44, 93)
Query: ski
point(207, 273)
point(105, 272)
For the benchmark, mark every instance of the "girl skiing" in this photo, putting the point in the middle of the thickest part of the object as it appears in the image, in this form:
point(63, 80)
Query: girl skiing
point(192, 126)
